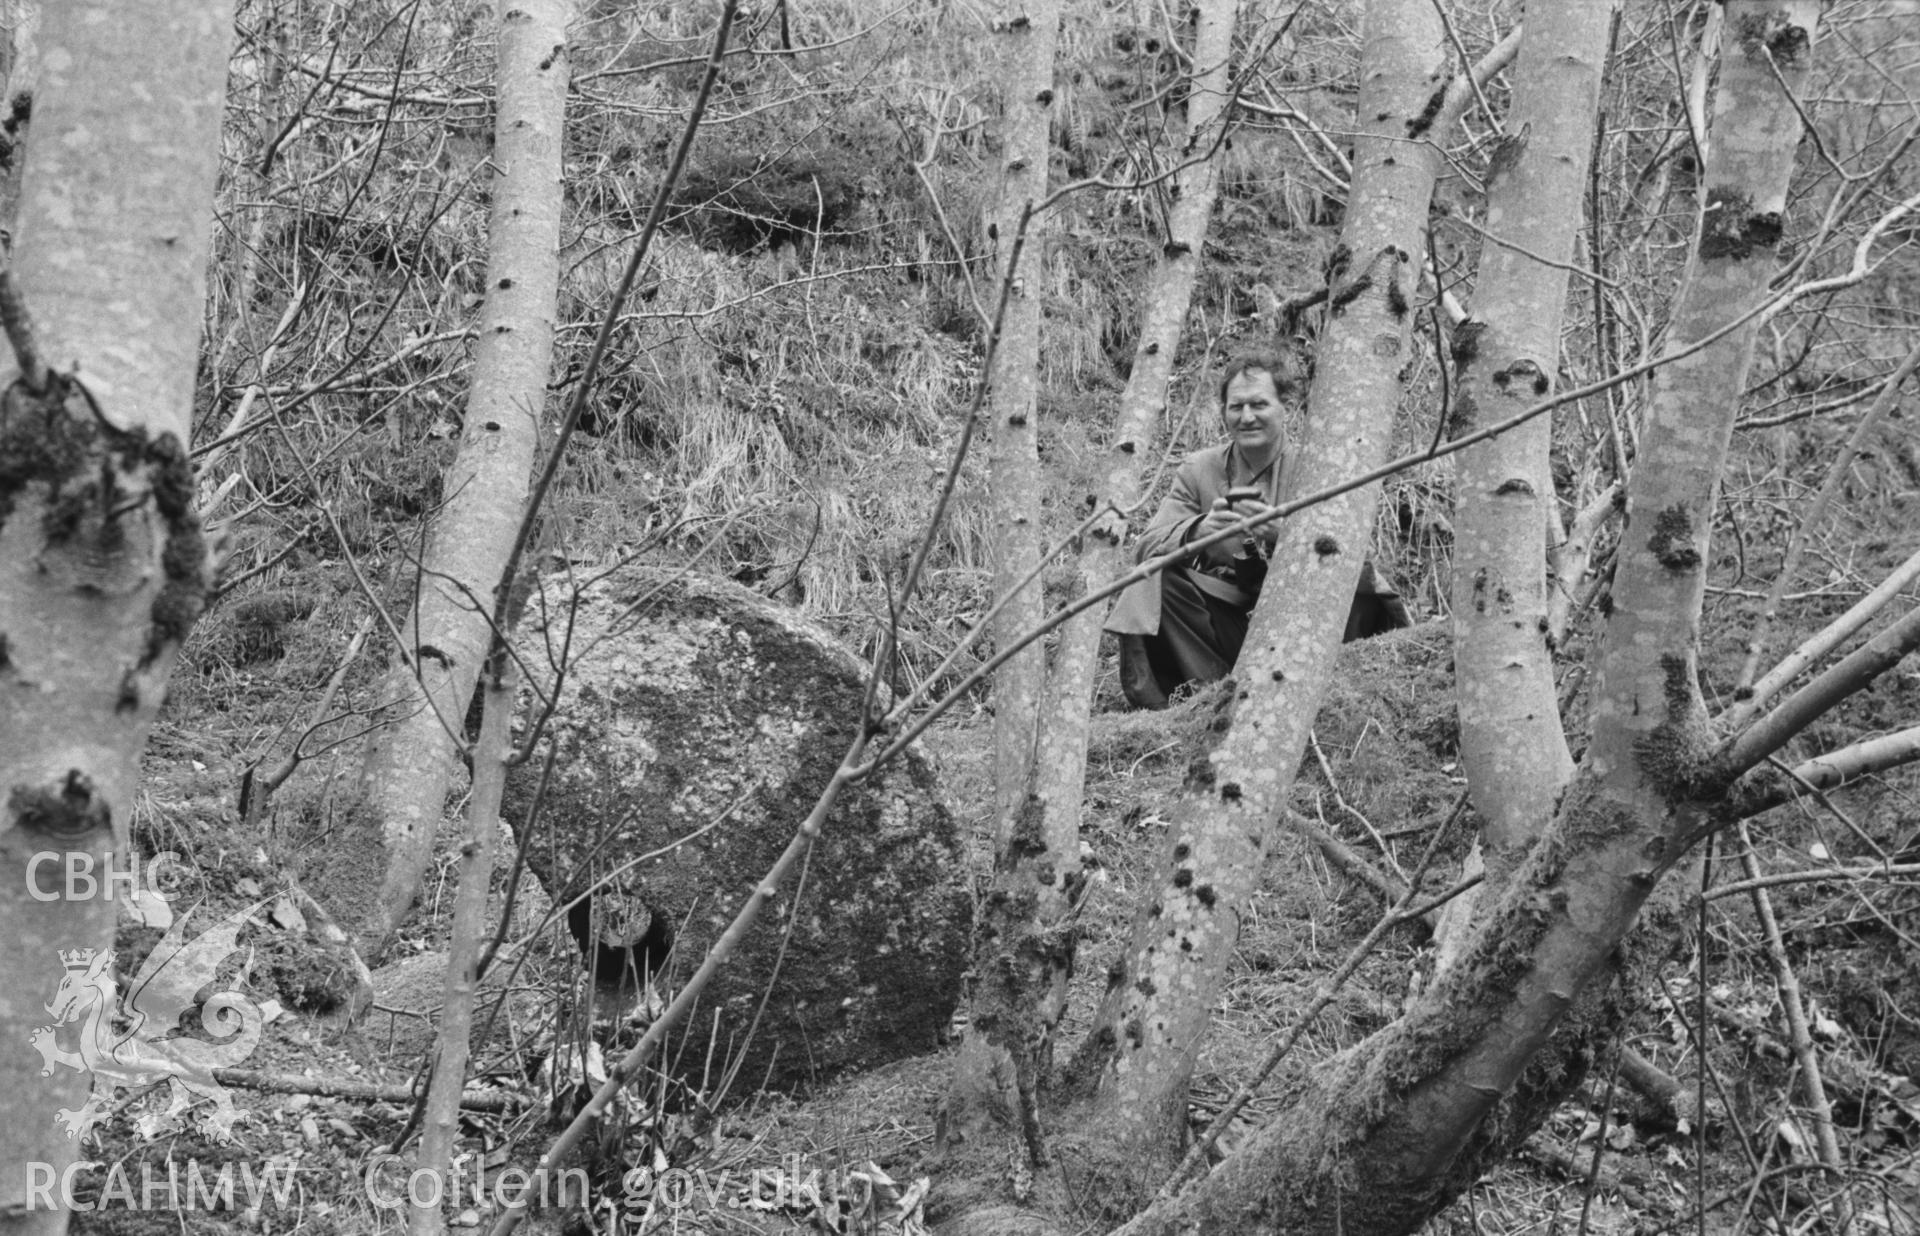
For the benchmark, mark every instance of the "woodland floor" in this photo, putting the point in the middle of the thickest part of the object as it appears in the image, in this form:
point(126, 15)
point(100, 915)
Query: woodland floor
point(1387, 736)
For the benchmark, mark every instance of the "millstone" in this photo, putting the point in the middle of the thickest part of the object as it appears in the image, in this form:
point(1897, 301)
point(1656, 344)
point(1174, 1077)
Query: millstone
point(689, 700)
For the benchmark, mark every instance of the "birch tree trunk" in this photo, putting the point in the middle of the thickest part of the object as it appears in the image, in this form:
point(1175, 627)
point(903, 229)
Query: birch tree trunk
point(1018, 951)
point(19, 23)
point(1385, 1134)
point(1143, 404)
point(103, 566)
point(1061, 746)
point(1161, 998)
point(440, 1125)
point(1512, 745)
point(402, 792)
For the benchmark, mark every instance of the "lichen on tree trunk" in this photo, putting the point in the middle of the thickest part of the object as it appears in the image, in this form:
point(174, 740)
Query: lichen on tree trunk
point(1160, 998)
point(1512, 745)
point(1023, 948)
point(103, 566)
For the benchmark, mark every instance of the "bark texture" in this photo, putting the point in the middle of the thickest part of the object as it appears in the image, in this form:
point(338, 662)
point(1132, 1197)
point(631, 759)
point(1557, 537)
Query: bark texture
point(1161, 997)
point(1061, 745)
point(1032, 28)
point(19, 21)
point(440, 1128)
point(689, 700)
point(1143, 407)
point(1388, 1132)
point(1023, 952)
point(1512, 745)
point(103, 567)
point(396, 807)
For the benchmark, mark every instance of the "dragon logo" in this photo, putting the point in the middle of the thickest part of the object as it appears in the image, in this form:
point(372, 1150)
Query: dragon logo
point(135, 1045)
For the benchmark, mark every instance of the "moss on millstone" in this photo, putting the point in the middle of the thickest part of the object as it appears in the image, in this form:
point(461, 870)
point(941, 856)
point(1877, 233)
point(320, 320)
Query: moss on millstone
point(698, 701)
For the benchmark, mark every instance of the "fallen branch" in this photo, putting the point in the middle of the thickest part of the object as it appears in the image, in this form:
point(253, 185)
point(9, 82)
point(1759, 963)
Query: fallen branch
point(1811, 876)
point(1607, 1179)
point(1670, 1097)
point(479, 1100)
point(1342, 856)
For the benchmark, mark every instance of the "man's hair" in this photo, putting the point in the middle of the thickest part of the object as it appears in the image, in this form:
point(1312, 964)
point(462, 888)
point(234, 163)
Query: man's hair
point(1276, 365)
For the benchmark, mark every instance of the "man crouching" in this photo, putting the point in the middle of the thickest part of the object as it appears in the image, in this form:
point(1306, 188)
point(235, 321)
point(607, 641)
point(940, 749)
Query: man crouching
point(1187, 623)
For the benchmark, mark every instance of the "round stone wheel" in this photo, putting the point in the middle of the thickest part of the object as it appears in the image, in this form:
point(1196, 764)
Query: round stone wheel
point(697, 725)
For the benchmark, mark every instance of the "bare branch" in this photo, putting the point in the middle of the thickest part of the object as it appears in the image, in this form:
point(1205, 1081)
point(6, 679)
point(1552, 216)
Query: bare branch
point(1814, 875)
point(1816, 514)
point(1806, 705)
point(1823, 642)
point(1834, 770)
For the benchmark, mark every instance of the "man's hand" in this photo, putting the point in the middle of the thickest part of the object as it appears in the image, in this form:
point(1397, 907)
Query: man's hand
point(1225, 516)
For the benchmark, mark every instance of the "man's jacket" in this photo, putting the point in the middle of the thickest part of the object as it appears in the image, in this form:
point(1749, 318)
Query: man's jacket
point(1204, 477)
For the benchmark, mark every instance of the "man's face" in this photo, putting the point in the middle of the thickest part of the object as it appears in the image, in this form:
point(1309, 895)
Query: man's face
point(1252, 411)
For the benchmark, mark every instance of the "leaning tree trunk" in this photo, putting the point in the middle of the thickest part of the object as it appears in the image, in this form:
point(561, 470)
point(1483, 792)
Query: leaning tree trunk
point(1046, 940)
point(1166, 300)
point(103, 566)
point(402, 792)
point(1385, 1134)
point(1161, 998)
point(995, 1081)
point(1512, 746)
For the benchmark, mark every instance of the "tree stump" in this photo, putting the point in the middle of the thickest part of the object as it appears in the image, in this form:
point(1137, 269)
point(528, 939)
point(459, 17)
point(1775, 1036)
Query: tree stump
point(696, 726)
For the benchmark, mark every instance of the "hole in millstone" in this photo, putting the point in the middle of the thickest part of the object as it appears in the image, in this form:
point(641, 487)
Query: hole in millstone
point(622, 942)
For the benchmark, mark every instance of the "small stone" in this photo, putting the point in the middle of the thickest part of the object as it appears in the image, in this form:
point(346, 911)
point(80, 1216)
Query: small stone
point(286, 915)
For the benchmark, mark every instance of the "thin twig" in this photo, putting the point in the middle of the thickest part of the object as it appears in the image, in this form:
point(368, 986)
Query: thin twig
point(255, 791)
point(1822, 642)
point(1466, 67)
point(1810, 524)
point(1339, 799)
point(1814, 875)
point(1800, 1036)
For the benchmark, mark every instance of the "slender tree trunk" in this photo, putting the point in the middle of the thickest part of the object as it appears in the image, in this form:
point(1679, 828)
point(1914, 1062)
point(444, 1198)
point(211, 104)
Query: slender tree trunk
point(1143, 404)
point(1020, 950)
point(440, 1130)
point(1385, 1134)
point(1512, 745)
point(1060, 773)
point(409, 763)
point(1161, 997)
point(103, 567)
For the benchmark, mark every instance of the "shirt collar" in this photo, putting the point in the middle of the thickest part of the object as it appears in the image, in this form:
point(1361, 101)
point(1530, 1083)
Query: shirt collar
point(1238, 466)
